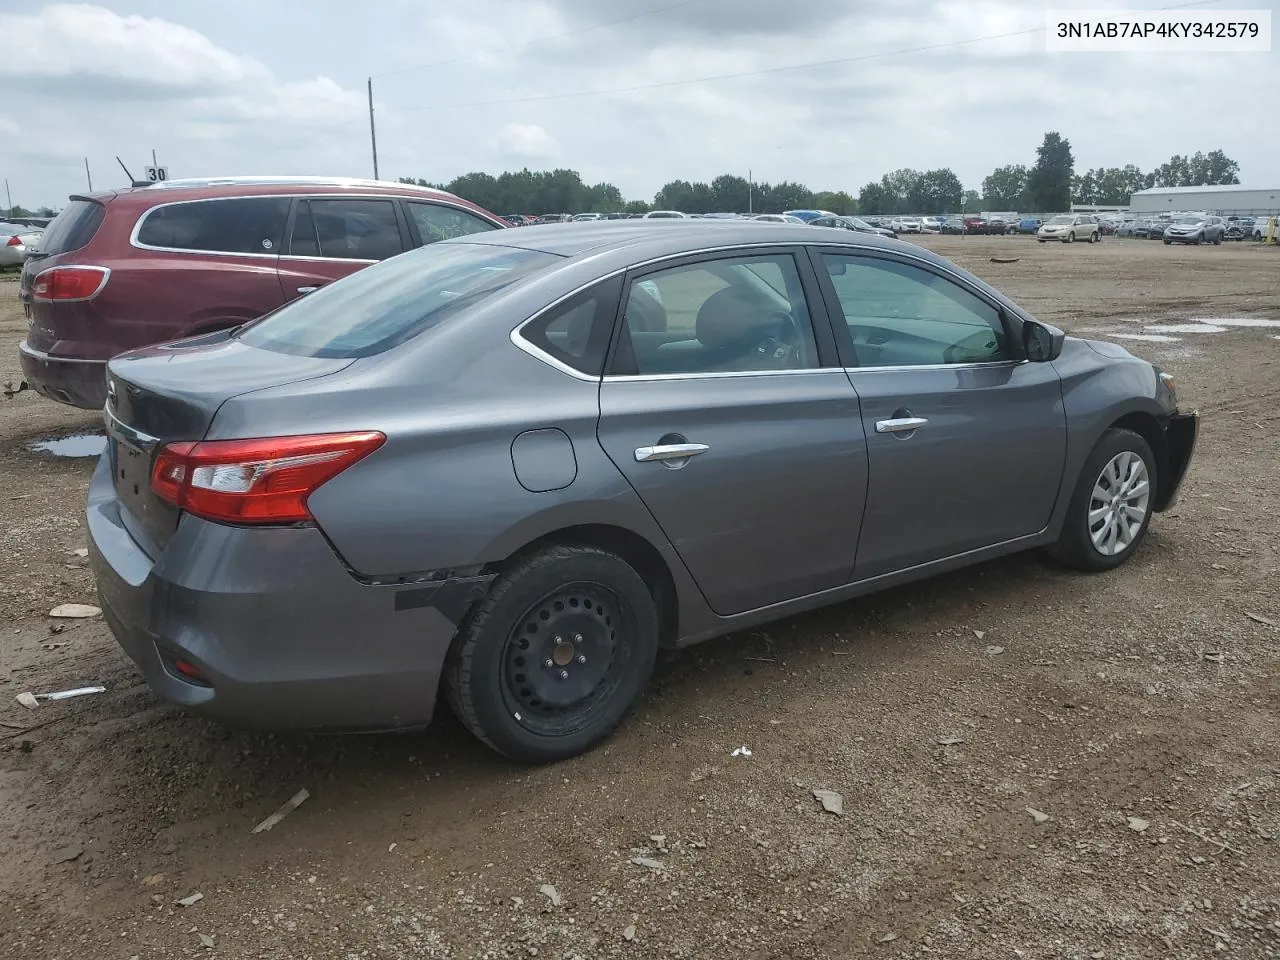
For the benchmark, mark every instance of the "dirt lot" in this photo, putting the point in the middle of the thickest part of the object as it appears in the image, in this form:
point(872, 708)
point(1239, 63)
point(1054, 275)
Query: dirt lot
point(941, 712)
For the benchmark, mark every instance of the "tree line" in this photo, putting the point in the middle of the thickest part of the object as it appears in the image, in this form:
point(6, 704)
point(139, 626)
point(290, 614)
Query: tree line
point(1049, 184)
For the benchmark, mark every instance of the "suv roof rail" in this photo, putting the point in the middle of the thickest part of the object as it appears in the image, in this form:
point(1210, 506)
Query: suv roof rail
point(242, 181)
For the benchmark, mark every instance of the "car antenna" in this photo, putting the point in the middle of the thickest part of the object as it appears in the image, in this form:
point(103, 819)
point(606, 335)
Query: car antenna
point(132, 181)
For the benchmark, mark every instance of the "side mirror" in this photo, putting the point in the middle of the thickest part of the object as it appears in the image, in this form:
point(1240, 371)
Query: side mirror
point(1041, 342)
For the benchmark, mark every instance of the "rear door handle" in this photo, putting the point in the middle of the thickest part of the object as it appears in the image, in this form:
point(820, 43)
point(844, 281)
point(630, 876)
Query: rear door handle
point(308, 289)
point(670, 451)
point(900, 424)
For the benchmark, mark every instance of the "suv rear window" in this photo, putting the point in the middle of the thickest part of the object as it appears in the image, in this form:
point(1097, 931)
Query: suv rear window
point(73, 227)
point(390, 302)
point(234, 225)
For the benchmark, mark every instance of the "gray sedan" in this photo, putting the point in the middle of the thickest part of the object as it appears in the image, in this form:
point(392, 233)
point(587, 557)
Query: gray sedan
point(513, 466)
point(16, 243)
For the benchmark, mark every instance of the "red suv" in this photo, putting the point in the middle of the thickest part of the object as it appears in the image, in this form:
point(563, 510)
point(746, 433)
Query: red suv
point(125, 269)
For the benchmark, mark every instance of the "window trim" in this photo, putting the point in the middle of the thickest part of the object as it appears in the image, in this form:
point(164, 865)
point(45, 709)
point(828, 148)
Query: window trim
point(294, 197)
point(1011, 323)
point(815, 306)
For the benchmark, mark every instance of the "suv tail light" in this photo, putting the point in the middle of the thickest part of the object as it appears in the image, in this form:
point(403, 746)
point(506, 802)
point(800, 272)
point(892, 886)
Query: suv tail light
point(69, 283)
point(255, 481)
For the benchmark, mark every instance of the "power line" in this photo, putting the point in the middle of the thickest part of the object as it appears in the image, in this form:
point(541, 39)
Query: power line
point(530, 43)
point(757, 73)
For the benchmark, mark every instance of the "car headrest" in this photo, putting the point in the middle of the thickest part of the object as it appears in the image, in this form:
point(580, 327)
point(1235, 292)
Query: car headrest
point(734, 316)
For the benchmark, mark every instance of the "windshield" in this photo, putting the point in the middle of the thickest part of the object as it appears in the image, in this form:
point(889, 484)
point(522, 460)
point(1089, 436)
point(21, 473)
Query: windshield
point(386, 304)
point(860, 224)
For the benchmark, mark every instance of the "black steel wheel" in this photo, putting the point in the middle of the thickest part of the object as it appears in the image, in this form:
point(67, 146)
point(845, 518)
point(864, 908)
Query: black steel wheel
point(553, 658)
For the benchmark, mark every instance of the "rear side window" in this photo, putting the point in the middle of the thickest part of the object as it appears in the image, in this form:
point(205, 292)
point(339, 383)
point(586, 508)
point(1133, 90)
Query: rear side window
point(380, 307)
point(577, 331)
point(239, 225)
point(347, 229)
point(73, 227)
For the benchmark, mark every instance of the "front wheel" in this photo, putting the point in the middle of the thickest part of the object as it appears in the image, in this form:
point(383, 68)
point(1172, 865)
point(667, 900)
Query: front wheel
point(1110, 508)
point(1071, 237)
point(1168, 243)
point(553, 659)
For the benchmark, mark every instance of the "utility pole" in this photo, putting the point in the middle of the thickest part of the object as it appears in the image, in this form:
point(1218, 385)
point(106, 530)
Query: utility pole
point(373, 136)
point(750, 190)
point(8, 198)
point(87, 175)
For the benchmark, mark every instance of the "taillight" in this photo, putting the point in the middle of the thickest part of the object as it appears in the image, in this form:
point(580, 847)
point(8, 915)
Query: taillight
point(255, 481)
point(14, 241)
point(69, 283)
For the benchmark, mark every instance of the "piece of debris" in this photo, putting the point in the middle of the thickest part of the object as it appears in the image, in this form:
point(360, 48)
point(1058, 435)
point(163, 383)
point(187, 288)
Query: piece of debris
point(190, 901)
point(993, 651)
point(629, 933)
point(888, 938)
point(206, 941)
point(743, 751)
point(75, 611)
point(831, 801)
point(67, 854)
point(1039, 816)
point(1215, 657)
point(81, 552)
point(649, 863)
point(1005, 259)
point(552, 894)
point(517, 902)
point(10, 391)
point(660, 839)
point(153, 879)
point(950, 741)
point(289, 806)
point(1137, 824)
point(1207, 839)
point(32, 700)
point(392, 847)
point(55, 645)
point(979, 634)
point(1258, 619)
point(57, 627)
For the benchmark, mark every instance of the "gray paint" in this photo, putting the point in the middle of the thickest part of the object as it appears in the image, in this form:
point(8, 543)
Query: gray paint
point(797, 503)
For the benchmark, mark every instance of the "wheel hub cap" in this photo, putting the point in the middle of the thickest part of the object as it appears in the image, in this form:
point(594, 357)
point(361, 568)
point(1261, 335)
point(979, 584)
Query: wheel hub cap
point(1119, 503)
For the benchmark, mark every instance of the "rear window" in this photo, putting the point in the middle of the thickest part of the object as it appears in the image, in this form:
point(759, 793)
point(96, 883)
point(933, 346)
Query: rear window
point(234, 225)
point(73, 227)
point(386, 304)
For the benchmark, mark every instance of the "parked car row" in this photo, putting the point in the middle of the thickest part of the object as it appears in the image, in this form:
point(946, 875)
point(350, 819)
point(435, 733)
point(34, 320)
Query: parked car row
point(17, 240)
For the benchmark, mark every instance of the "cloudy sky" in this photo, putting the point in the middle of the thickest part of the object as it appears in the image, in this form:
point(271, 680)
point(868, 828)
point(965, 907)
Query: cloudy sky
point(248, 86)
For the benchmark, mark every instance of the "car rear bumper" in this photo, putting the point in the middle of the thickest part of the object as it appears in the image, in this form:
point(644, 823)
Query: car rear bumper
point(1180, 435)
point(284, 635)
point(80, 383)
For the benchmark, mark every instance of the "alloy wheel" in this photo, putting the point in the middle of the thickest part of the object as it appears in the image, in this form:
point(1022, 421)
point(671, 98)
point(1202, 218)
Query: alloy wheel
point(1119, 503)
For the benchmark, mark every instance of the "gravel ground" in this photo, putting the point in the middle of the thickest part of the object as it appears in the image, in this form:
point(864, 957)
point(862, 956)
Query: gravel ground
point(1032, 762)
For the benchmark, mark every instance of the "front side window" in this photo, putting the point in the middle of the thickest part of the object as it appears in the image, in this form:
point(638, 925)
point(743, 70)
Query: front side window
point(733, 315)
point(346, 229)
point(901, 315)
point(234, 225)
point(436, 222)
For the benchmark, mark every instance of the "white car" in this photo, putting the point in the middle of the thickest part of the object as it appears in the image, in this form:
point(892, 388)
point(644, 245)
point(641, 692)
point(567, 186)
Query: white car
point(666, 215)
point(907, 225)
point(16, 241)
point(930, 225)
point(777, 218)
point(1262, 224)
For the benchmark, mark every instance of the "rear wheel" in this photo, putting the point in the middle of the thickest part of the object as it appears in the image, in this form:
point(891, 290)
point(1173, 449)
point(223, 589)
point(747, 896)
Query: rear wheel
point(1110, 508)
point(553, 659)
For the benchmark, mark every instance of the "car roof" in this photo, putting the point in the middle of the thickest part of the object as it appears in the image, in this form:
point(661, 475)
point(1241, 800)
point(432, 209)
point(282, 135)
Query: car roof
point(205, 187)
point(672, 237)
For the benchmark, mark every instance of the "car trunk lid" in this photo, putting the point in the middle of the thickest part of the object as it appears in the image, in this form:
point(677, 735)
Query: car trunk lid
point(170, 394)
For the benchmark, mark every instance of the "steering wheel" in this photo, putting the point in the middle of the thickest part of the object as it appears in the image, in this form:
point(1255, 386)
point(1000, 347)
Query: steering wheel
point(780, 347)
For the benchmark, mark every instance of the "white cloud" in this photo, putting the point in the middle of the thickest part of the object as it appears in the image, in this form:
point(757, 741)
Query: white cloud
point(525, 141)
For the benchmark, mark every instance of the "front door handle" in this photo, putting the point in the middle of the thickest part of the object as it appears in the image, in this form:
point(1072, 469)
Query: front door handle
point(670, 451)
point(900, 424)
point(308, 289)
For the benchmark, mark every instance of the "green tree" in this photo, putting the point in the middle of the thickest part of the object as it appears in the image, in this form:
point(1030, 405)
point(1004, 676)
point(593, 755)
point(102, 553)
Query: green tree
point(729, 193)
point(636, 206)
point(1049, 182)
point(837, 201)
point(1005, 188)
point(934, 191)
point(971, 202)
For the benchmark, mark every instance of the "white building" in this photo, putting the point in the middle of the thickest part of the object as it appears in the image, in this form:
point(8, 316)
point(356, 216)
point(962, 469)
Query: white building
point(1226, 199)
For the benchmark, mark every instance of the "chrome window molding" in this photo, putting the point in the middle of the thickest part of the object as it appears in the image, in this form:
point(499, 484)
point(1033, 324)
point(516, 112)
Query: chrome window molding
point(539, 354)
point(137, 227)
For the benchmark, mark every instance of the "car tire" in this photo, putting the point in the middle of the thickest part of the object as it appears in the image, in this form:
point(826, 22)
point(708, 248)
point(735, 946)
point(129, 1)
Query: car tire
point(1071, 237)
point(1168, 243)
point(1217, 241)
point(582, 610)
point(1112, 457)
point(1040, 240)
point(1093, 238)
